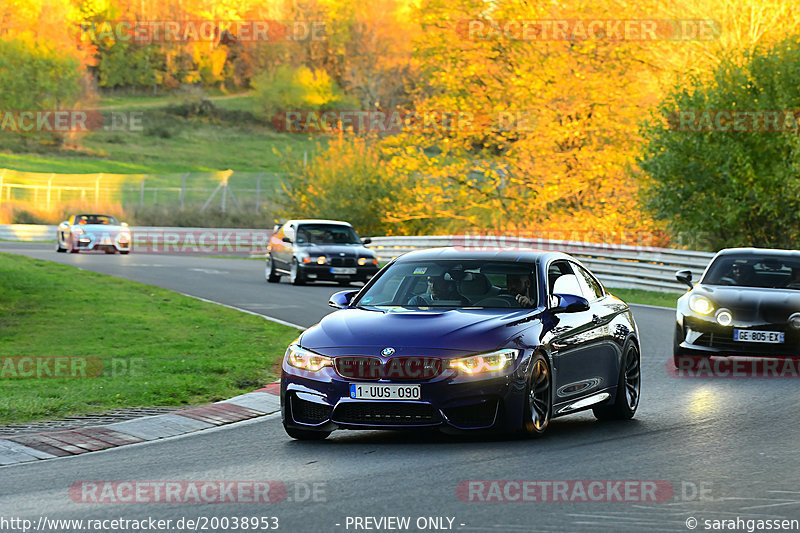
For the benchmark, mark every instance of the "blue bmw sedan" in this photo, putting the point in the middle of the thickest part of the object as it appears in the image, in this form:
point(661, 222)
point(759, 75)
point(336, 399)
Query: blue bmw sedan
point(465, 340)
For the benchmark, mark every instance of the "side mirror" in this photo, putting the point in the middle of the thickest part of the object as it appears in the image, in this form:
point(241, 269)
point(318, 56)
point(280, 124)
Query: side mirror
point(341, 299)
point(684, 276)
point(65, 223)
point(123, 224)
point(366, 241)
point(570, 303)
point(287, 239)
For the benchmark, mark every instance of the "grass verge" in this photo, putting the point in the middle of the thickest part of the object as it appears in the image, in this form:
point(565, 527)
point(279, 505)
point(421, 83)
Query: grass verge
point(150, 346)
point(174, 137)
point(638, 296)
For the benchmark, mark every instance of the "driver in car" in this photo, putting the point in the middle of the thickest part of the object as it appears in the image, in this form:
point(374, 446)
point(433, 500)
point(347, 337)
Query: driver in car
point(519, 286)
point(740, 274)
point(439, 288)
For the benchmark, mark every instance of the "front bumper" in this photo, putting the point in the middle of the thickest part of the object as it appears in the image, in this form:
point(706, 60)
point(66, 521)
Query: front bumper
point(313, 271)
point(704, 336)
point(90, 242)
point(451, 402)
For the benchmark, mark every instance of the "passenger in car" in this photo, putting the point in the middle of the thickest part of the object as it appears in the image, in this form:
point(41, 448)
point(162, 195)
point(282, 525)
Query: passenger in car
point(439, 289)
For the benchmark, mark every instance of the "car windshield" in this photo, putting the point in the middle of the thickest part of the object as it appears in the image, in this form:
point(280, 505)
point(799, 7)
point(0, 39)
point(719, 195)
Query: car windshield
point(104, 220)
point(766, 272)
point(452, 284)
point(326, 234)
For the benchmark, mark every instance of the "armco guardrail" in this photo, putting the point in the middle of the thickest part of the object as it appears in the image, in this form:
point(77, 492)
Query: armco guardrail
point(33, 232)
point(617, 265)
point(635, 267)
point(27, 232)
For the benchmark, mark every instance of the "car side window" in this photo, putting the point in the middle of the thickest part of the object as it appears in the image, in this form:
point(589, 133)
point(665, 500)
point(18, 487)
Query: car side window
point(592, 289)
point(562, 280)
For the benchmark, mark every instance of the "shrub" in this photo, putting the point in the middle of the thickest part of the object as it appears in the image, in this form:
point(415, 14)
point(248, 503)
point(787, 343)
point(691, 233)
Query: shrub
point(287, 88)
point(731, 188)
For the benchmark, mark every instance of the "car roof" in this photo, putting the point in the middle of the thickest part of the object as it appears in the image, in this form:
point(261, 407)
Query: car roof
point(526, 255)
point(318, 221)
point(758, 252)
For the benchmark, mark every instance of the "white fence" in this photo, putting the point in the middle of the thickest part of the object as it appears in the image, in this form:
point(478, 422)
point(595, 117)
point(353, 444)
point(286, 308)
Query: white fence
point(635, 267)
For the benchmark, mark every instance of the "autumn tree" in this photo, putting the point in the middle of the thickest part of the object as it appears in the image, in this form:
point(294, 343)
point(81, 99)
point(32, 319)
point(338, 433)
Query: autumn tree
point(36, 77)
point(723, 180)
point(552, 125)
point(351, 181)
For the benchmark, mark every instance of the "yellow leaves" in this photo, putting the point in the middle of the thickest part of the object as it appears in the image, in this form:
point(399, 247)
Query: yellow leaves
point(218, 57)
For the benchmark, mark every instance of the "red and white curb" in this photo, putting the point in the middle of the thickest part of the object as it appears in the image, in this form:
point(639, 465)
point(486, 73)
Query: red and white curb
point(63, 443)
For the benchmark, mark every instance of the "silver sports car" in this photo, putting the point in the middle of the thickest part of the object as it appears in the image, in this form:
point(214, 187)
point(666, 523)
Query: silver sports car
point(93, 232)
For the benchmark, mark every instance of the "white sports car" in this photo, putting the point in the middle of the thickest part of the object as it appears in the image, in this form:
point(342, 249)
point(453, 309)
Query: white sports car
point(93, 232)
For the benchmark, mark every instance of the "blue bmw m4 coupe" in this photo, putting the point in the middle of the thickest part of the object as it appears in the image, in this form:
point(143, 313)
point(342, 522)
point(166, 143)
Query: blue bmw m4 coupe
point(465, 340)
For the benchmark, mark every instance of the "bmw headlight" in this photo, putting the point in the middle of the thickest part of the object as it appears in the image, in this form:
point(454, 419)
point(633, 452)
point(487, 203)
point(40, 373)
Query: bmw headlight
point(78, 231)
point(700, 304)
point(487, 362)
point(306, 360)
point(321, 260)
point(367, 261)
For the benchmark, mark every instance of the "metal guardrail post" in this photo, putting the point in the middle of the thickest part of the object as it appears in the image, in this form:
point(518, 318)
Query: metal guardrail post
point(97, 190)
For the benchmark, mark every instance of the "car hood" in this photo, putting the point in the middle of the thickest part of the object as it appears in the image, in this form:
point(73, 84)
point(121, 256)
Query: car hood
point(438, 332)
point(753, 304)
point(100, 228)
point(337, 250)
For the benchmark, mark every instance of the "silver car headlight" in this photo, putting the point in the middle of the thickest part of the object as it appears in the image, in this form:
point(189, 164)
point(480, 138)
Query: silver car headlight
point(700, 304)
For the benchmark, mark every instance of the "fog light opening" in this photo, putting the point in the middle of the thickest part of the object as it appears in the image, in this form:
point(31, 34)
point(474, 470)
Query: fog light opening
point(724, 317)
